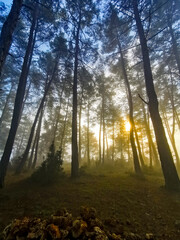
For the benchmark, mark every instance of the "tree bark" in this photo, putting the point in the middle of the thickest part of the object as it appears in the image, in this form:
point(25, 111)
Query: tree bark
point(7, 31)
point(18, 103)
point(167, 163)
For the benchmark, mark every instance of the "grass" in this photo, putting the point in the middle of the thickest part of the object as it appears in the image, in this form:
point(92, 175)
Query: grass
point(140, 205)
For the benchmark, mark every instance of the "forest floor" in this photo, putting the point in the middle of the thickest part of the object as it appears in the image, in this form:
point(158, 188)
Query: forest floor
point(136, 205)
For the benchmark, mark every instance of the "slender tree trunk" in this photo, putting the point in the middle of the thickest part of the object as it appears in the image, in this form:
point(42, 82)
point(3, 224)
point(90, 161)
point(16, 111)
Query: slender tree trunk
point(6, 104)
point(38, 137)
point(177, 117)
point(7, 31)
point(26, 152)
point(100, 126)
point(80, 113)
point(167, 163)
point(131, 118)
point(58, 114)
point(150, 140)
point(113, 144)
point(75, 162)
point(139, 148)
point(171, 137)
point(64, 128)
point(103, 123)
point(88, 151)
point(18, 103)
point(107, 148)
point(32, 152)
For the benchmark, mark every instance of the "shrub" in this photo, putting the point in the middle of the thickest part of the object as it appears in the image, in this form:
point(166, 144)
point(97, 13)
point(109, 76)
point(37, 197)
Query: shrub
point(51, 169)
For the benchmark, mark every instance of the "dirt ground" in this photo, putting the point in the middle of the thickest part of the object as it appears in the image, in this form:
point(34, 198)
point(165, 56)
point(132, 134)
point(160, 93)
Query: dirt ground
point(123, 201)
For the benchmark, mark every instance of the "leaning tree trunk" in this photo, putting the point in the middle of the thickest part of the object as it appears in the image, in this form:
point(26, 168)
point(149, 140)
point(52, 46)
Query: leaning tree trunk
point(7, 31)
point(26, 152)
point(38, 137)
point(18, 103)
point(167, 163)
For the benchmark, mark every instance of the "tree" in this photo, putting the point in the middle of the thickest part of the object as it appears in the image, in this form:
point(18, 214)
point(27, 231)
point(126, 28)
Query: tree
point(7, 31)
point(81, 14)
point(168, 167)
point(19, 100)
point(113, 33)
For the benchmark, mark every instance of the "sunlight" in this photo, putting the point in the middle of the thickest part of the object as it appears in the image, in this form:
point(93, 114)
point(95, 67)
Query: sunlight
point(128, 126)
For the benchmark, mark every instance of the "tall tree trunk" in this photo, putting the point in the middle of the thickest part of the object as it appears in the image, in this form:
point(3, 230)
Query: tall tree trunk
point(131, 118)
point(167, 163)
point(100, 126)
point(80, 113)
point(58, 114)
point(113, 144)
point(103, 123)
point(26, 152)
point(7, 31)
point(38, 137)
point(18, 103)
point(30, 161)
point(64, 127)
point(88, 152)
point(107, 148)
point(75, 162)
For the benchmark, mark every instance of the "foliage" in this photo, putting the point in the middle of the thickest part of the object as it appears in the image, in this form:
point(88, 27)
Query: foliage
point(51, 169)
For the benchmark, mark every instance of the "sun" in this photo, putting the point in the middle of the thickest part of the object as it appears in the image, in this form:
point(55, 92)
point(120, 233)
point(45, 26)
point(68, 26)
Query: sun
point(128, 126)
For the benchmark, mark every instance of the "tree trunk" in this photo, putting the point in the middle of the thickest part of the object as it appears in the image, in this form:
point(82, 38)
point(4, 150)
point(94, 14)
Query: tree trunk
point(139, 148)
point(38, 137)
point(75, 162)
point(64, 127)
point(7, 31)
point(88, 152)
point(26, 152)
point(131, 118)
point(167, 163)
point(103, 123)
point(100, 126)
point(171, 137)
point(18, 103)
point(6, 104)
point(80, 113)
point(113, 144)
